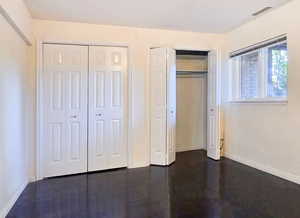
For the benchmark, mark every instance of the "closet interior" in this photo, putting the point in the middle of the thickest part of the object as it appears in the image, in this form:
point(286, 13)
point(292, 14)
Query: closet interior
point(191, 98)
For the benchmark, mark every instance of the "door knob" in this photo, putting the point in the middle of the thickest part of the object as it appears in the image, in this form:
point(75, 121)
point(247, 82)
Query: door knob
point(74, 116)
point(99, 115)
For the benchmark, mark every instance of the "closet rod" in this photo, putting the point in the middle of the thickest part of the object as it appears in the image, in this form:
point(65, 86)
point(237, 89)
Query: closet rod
point(190, 72)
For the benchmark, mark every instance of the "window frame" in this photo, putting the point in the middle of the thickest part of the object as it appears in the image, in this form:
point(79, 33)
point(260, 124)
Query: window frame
point(235, 70)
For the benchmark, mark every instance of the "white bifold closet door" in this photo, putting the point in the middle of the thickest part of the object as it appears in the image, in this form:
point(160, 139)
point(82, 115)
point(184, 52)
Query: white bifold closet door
point(84, 101)
point(107, 108)
point(213, 107)
point(163, 105)
point(64, 103)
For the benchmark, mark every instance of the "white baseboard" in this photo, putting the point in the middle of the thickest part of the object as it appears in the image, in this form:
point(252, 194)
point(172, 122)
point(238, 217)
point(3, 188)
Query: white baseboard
point(181, 148)
point(32, 179)
point(4, 211)
point(275, 172)
point(138, 165)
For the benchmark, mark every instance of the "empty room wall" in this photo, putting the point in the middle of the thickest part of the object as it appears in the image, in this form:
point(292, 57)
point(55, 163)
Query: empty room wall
point(266, 136)
point(139, 41)
point(15, 126)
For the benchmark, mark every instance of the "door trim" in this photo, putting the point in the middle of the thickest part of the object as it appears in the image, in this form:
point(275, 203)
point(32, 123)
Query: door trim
point(39, 101)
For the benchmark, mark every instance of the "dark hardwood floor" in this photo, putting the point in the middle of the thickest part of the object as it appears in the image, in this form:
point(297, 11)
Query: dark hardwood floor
point(193, 187)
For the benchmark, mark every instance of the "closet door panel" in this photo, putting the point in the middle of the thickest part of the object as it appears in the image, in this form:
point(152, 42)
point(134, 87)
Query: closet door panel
point(64, 109)
point(163, 105)
point(213, 107)
point(98, 102)
point(75, 88)
point(75, 140)
point(56, 140)
point(171, 105)
point(158, 98)
point(107, 108)
point(116, 88)
point(99, 137)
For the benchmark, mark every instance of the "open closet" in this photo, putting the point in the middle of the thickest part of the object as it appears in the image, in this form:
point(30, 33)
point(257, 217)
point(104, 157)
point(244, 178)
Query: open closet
point(191, 98)
point(184, 103)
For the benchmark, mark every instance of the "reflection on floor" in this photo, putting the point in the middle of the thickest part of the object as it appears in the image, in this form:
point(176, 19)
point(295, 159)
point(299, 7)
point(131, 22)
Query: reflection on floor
point(193, 187)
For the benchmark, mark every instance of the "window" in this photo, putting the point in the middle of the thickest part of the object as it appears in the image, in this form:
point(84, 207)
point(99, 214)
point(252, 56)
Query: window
point(277, 70)
point(249, 75)
point(260, 73)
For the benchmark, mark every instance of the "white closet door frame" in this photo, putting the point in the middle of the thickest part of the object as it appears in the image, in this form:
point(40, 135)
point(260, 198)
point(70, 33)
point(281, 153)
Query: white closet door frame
point(39, 103)
point(218, 87)
point(215, 105)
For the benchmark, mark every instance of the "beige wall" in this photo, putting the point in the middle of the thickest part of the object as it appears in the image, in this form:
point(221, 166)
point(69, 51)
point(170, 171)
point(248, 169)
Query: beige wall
point(266, 136)
point(17, 14)
point(14, 114)
point(139, 41)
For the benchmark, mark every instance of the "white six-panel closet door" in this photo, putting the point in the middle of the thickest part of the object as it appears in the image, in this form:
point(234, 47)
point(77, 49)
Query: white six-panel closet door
point(107, 147)
point(64, 101)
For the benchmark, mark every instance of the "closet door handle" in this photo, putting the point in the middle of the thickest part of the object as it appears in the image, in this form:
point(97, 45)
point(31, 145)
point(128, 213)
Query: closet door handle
point(74, 116)
point(99, 115)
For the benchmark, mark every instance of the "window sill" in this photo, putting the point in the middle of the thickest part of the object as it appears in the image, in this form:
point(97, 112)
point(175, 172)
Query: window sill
point(260, 101)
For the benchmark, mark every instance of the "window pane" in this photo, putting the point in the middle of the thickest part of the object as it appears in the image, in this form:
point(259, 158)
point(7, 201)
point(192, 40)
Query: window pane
point(277, 70)
point(249, 75)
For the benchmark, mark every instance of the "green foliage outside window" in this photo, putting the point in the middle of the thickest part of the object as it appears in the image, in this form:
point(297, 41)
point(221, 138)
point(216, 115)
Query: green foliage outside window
point(278, 71)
